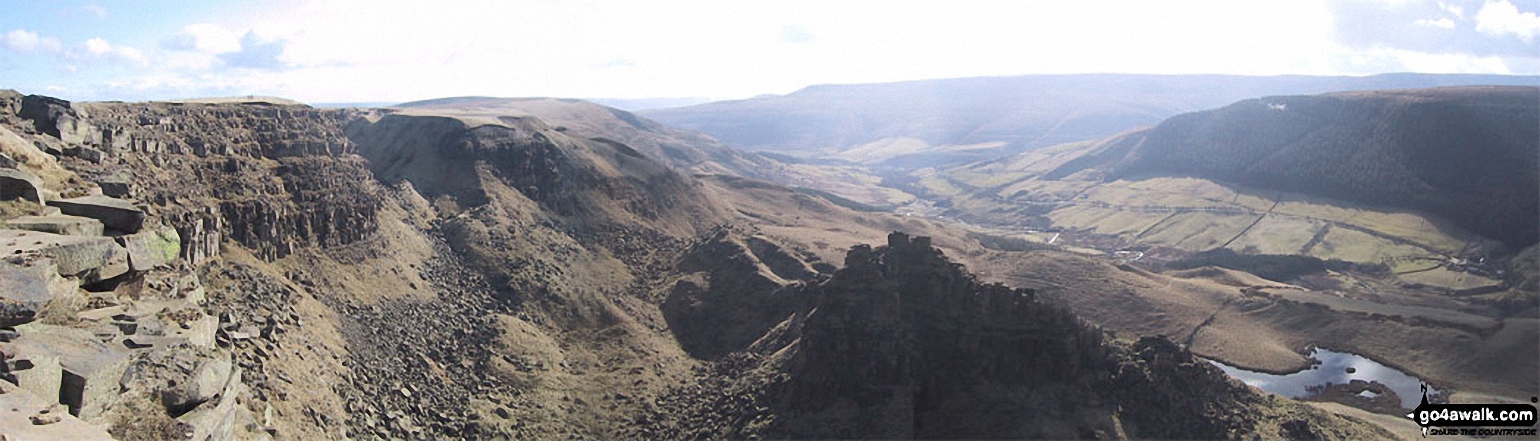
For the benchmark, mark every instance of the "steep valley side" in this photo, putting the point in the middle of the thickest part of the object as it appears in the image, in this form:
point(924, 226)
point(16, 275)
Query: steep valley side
point(389, 274)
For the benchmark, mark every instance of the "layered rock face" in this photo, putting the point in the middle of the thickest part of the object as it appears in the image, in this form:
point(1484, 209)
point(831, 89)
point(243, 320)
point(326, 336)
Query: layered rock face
point(587, 181)
point(115, 211)
point(271, 177)
point(906, 336)
point(903, 343)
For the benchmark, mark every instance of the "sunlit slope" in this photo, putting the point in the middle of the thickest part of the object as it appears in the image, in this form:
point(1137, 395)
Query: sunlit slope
point(685, 150)
point(1467, 154)
point(1408, 179)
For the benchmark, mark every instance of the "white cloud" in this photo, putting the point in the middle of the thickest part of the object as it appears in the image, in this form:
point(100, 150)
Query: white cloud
point(22, 40)
point(100, 49)
point(97, 47)
point(1501, 17)
point(206, 38)
point(1444, 23)
point(1457, 10)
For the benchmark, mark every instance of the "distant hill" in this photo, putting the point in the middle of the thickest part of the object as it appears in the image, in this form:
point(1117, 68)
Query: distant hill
point(1021, 112)
point(1468, 154)
point(683, 149)
point(635, 104)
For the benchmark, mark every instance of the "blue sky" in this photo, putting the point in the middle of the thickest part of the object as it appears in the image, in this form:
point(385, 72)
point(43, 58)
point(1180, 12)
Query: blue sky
point(385, 50)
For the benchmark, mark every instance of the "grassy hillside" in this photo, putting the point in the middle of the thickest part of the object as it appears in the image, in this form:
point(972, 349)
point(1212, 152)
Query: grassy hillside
point(685, 150)
point(1469, 154)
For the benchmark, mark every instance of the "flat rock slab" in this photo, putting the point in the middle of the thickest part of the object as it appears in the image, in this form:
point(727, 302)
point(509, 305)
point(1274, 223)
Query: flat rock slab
point(89, 258)
point(96, 367)
point(100, 314)
point(114, 213)
point(26, 287)
point(149, 249)
point(18, 406)
point(17, 184)
point(58, 224)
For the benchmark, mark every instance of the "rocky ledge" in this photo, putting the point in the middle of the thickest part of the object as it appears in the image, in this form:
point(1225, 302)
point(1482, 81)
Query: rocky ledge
point(109, 214)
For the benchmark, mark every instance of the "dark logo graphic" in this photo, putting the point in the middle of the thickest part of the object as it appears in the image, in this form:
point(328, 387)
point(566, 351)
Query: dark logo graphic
point(1459, 416)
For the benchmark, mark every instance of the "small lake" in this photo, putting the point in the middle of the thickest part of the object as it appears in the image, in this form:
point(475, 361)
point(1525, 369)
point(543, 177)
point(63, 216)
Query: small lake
point(1332, 369)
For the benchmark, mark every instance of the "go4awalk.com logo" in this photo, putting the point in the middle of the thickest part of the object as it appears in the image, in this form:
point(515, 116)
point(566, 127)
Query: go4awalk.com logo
point(1480, 420)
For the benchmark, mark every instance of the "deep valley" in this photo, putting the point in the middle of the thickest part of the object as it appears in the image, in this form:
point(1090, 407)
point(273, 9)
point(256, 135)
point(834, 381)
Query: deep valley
point(543, 268)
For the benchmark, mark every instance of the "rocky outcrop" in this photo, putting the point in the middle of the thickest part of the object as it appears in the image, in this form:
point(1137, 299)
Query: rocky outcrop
point(903, 343)
point(747, 284)
point(10, 102)
point(56, 117)
point(246, 129)
point(90, 259)
point(912, 343)
point(200, 230)
point(26, 415)
point(151, 248)
point(139, 358)
point(271, 177)
point(112, 329)
point(113, 213)
point(26, 287)
point(592, 181)
point(17, 184)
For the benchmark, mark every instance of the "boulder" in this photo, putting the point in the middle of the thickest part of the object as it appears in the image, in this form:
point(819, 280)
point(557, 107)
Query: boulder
point(45, 112)
point(197, 332)
point(10, 102)
point(51, 146)
point(90, 259)
point(87, 153)
point(152, 248)
point(118, 186)
point(26, 287)
point(35, 368)
point(56, 117)
point(224, 419)
point(199, 385)
point(92, 369)
point(114, 213)
point(58, 224)
point(17, 184)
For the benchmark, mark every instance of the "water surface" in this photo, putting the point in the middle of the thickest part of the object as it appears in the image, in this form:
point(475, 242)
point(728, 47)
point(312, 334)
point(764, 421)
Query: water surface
point(1333, 369)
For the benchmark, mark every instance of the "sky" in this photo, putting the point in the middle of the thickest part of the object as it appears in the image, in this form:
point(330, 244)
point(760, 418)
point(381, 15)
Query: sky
point(394, 51)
